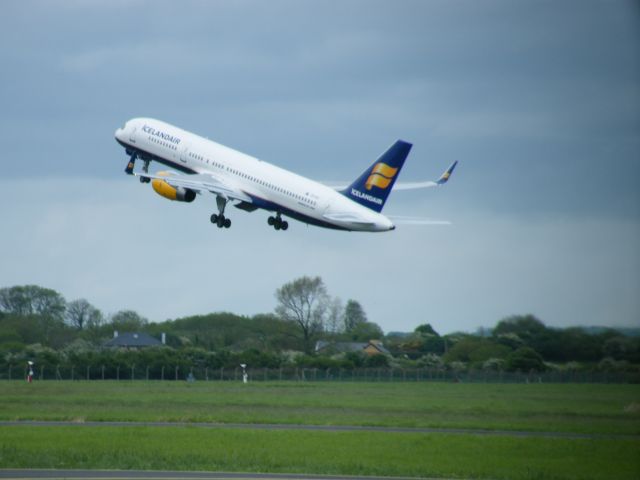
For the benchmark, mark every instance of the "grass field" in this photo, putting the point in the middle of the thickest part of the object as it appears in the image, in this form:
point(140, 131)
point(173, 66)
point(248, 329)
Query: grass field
point(580, 408)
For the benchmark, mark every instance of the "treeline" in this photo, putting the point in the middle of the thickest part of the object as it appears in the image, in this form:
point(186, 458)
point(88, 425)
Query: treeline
point(38, 324)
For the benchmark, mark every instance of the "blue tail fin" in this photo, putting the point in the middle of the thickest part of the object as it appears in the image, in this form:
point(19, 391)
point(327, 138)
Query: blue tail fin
point(372, 188)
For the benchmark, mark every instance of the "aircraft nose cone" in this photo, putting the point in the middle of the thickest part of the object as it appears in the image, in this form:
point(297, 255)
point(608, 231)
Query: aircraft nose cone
point(118, 134)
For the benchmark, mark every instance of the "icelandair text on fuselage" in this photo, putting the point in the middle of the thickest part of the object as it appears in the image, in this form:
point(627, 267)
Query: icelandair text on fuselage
point(370, 198)
point(162, 135)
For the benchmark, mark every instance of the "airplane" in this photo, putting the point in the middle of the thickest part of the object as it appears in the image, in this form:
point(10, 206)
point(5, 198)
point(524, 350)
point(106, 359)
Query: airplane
point(247, 183)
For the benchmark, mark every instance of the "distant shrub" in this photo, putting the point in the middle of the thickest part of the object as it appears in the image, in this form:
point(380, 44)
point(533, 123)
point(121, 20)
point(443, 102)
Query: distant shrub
point(524, 359)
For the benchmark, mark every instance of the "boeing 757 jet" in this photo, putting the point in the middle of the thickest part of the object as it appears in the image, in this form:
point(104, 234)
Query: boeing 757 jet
point(201, 165)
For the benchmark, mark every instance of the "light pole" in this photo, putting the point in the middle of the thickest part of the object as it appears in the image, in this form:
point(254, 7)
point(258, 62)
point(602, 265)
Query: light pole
point(245, 377)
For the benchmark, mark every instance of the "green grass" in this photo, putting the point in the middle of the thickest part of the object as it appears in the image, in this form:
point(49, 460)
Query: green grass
point(339, 453)
point(578, 408)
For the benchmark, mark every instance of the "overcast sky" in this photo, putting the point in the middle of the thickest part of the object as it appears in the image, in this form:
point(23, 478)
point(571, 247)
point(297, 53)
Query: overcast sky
point(538, 100)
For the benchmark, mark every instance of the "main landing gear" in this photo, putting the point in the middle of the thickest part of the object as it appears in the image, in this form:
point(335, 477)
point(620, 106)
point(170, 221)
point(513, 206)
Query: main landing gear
point(219, 219)
point(277, 222)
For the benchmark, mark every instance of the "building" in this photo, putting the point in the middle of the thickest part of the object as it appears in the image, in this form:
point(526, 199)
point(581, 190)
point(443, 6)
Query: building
point(372, 347)
point(132, 340)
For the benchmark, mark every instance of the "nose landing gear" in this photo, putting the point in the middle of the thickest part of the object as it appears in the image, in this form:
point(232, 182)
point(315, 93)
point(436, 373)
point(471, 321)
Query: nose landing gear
point(145, 169)
point(132, 162)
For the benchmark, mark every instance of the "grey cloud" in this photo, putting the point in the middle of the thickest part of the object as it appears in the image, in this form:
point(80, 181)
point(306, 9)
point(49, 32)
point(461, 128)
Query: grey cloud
point(539, 101)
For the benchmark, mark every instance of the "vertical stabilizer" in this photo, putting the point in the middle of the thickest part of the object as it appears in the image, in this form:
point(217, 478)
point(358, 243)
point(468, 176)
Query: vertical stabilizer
point(372, 188)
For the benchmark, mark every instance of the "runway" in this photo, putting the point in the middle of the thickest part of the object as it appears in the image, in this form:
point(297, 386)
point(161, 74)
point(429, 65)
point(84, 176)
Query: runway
point(17, 474)
point(318, 428)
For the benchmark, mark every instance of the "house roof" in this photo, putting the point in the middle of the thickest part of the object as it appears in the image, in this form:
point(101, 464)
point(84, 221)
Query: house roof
point(133, 339)
point(344, 347)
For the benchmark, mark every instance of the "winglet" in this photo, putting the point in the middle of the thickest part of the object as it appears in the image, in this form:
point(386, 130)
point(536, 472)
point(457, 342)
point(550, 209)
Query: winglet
point(445, 176)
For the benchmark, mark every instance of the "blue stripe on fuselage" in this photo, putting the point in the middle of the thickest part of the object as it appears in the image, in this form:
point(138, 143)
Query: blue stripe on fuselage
point(256, 200)
point(301, 217)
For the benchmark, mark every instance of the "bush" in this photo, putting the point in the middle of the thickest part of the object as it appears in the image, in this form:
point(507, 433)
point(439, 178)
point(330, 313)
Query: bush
point(525, 359)
point(376, 361)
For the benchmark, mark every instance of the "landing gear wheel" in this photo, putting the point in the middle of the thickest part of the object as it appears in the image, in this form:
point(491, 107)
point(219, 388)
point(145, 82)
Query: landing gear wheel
point(218, 218)
point(277, 222)
point(145, 179)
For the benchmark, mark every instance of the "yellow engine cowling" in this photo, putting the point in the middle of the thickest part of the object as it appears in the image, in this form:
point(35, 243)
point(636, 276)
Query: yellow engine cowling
point(178, 194)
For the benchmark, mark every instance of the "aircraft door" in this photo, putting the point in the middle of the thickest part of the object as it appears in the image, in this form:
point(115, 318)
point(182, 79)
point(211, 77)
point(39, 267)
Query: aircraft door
point(184, 152)
point(132, 134)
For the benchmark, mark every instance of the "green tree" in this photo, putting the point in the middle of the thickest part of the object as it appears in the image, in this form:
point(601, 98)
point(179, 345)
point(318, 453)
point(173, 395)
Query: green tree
point(524, 359)
point(353, 316)
point(365, 331)
point(429, 340)
point(376, 361)
point(128, 321)
point(32, 300)
point(526, 327)
point(475, 350)
point(426, 329)
point(81, 314)
point(304, 302)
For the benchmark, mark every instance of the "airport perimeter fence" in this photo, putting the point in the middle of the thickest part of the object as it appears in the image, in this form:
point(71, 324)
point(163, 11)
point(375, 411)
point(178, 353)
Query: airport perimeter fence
point(196, 373)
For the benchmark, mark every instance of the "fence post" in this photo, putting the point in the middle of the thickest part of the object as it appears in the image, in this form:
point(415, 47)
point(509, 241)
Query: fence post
point(133, 367)
point(88, 369)
point(118, 373)
point(162, 373)
point(147, 373)
point(42, 372)
point(177, 367)
point(73, 367)
point(221, 373)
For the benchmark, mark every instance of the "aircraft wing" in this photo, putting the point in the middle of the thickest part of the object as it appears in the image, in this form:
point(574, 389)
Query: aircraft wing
point(202, 182)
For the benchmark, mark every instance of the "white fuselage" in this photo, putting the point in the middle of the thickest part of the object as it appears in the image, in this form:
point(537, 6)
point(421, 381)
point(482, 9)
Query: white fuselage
point(269, 187)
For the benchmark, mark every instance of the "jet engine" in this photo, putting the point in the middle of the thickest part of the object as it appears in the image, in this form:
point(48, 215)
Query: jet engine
point(178, 194)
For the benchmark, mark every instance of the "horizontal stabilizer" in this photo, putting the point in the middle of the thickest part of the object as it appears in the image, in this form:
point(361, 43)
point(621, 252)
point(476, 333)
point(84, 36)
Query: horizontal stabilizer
point(409, 185)
point(402, 220)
